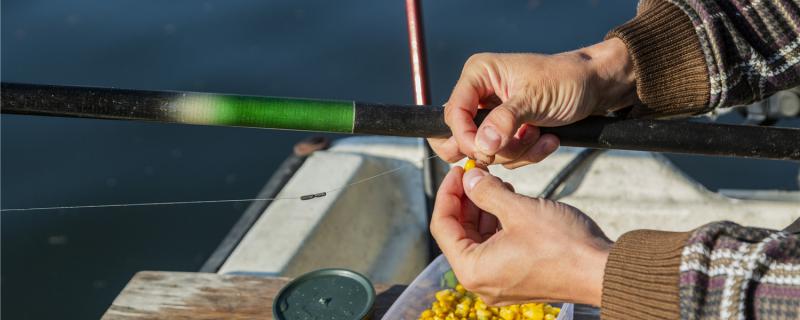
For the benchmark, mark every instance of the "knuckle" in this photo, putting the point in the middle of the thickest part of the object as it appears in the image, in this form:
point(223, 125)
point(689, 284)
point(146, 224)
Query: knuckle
point(505, 117)
point(434, 226)
point(478, 61)
point(448, 115)
point(469, 282)
point(478, 58)
point(479, 195)
point(451, 158)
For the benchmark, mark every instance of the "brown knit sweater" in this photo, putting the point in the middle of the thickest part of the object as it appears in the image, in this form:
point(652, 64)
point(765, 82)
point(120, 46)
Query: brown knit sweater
point(691, 57)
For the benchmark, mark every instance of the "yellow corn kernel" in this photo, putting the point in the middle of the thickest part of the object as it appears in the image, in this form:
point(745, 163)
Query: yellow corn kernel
point(483, 314)
point(459, 287)
point(507, 313)
point(469, 165)
point(459, 304)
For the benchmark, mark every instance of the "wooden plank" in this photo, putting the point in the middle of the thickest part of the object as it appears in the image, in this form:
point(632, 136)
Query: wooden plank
point(190, 295)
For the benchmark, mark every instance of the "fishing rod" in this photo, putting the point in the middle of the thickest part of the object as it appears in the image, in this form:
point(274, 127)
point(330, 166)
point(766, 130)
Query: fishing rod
point(385, 119)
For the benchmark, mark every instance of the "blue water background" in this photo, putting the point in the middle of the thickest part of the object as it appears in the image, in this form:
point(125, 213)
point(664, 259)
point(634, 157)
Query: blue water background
point(70, 264)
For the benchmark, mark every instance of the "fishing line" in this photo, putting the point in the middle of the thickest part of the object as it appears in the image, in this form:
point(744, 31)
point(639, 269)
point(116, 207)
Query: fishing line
point(171, 203)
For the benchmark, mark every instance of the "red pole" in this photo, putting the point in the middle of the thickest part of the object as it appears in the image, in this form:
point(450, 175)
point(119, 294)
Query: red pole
point(433, 169)
point(416, 43)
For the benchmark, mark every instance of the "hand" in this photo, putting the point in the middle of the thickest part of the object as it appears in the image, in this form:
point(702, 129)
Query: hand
point(508, 248)
point(526, 91)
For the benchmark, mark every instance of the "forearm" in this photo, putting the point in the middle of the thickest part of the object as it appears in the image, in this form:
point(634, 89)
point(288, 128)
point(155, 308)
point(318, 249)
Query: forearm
point(670, 70)
point(642, 274)
point(690, 57)
point(719, 269)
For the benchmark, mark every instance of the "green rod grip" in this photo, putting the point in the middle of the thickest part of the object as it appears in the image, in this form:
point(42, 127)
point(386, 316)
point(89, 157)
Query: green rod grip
point(179, 107)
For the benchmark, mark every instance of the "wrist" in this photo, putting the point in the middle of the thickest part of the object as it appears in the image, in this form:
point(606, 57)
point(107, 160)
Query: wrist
point(588, 277)
point(613, 71)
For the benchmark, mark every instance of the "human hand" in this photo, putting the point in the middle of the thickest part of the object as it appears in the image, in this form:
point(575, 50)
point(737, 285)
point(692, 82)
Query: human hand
point(526, 91)
point(508, 248)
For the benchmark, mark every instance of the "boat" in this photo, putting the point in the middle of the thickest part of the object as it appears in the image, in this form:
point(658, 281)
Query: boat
point(363, 203)
point(379, 227)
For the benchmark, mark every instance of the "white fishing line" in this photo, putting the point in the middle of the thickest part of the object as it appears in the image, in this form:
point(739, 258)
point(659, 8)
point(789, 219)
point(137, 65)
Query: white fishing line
point(308, 196)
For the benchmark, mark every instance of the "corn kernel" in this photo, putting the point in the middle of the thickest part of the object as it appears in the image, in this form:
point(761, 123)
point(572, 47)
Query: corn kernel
point(469, 165)
point(460, 304)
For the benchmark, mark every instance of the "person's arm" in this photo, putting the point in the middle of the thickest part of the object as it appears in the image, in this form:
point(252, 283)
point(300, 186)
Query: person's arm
point(509, 248)
point(693, 56)
point(718, 271)
point(675, 58)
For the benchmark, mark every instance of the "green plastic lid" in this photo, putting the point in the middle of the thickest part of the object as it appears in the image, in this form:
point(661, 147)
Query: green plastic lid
point(332, 294)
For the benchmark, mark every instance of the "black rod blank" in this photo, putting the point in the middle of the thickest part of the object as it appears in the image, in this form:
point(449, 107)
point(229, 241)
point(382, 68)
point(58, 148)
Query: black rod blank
point(672, 136)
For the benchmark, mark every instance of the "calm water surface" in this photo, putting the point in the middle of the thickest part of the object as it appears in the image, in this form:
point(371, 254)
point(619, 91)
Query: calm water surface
point(71, 264)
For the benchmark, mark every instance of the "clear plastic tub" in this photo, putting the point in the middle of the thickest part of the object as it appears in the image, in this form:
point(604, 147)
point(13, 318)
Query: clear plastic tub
point(420, 293)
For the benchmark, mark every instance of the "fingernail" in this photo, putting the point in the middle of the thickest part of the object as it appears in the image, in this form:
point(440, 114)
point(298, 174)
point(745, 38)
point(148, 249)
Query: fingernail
point(488, 140)
point(472, 177)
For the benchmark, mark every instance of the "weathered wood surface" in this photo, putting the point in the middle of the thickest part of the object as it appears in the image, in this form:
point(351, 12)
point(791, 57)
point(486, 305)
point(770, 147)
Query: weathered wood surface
point(191, 295)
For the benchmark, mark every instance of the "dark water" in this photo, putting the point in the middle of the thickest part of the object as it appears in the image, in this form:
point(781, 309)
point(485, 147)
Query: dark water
point(71, 264)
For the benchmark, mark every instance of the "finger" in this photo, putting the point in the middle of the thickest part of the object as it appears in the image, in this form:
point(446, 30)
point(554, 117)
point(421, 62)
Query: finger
point(545, 146)
point(490, 194)
point(487, 226)
point(446, 227)
point(471, 219)
point(446, 149)
point(490, 102)
point(497, 129)
point(518, 146)
point(459, 113)
point(460, 110)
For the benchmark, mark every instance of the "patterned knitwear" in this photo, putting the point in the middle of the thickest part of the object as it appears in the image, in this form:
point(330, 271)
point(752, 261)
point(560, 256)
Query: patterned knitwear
point(731, 272)
point(719, 271)
point(691, 56)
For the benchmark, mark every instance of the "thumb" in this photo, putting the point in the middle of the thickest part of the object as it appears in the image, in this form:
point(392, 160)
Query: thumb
point(489, 193)
point(498, 128)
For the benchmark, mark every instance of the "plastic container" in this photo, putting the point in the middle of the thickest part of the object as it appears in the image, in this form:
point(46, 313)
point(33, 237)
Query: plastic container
point(420, 293)
point(330, 294)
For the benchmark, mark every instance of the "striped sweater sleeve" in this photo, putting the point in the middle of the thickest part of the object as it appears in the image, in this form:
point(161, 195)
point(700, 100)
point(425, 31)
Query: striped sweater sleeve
point(691, 56)
point(731, 272)
point(718, 271)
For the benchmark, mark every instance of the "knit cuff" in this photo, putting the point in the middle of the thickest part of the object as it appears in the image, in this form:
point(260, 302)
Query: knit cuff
point(671, 72)
point(642, 276)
